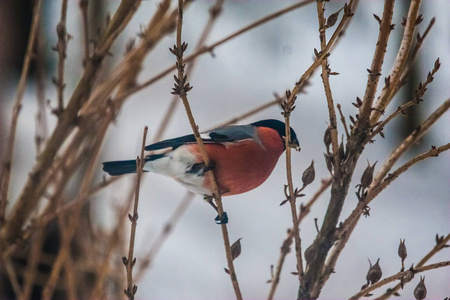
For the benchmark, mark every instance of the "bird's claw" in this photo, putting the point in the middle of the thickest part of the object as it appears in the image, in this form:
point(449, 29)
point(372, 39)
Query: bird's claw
point(221, 219)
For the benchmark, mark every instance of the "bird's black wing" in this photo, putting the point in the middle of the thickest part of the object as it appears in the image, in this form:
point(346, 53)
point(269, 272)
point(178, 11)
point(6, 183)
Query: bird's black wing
point(227, 134)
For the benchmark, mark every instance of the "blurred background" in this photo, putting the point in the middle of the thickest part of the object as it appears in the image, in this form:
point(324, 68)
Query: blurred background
point(241, 75)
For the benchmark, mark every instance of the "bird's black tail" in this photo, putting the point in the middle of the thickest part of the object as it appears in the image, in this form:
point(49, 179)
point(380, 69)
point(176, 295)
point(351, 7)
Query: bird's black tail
point(119, 167)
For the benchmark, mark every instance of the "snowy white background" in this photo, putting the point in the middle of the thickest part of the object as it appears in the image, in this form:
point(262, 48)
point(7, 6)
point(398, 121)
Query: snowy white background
point(245, 73)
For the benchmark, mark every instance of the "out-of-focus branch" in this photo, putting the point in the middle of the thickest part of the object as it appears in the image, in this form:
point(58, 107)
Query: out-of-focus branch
point(30, 195)
point(7, 163)
point(84, 5)
point(61, 48)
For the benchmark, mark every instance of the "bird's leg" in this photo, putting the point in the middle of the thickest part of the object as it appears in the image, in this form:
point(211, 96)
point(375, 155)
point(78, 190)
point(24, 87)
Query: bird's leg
point(219, 219)
point(209, 199)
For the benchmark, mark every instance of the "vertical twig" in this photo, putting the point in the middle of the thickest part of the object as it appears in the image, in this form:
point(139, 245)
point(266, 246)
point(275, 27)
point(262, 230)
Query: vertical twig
point(288, 107)
point(181, 88)
point(32, 264)
point(326, 85)
point(7, 164)
point(131, 260)
point(214, 13)
point(61, 48)
point(84, 5)
point(41, 116)
point(285, 248)
point(377, 62)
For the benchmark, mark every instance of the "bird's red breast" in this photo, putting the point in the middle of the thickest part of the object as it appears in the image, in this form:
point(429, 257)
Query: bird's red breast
point(242, 166)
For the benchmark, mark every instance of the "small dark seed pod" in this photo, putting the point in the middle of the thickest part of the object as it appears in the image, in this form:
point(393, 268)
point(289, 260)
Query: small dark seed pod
point(420, 292)
point(374, 273)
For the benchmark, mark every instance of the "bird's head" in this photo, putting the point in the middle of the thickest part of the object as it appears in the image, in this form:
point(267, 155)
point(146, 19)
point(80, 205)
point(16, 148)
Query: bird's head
point(280, 127)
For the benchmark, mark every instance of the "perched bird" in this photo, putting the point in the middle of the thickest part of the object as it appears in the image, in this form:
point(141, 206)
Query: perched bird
point(242, 157)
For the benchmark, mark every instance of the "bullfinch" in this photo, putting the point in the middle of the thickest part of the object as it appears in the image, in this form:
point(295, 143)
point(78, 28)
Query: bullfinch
point(242, 157)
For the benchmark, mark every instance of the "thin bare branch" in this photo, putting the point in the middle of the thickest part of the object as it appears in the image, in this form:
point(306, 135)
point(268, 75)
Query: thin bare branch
point(377, 62)
point(214, 13)
point(129, 262)
point(181, 88)
point(61, 48)
point(388, 92)
point(285, 248)
point(84, 5)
